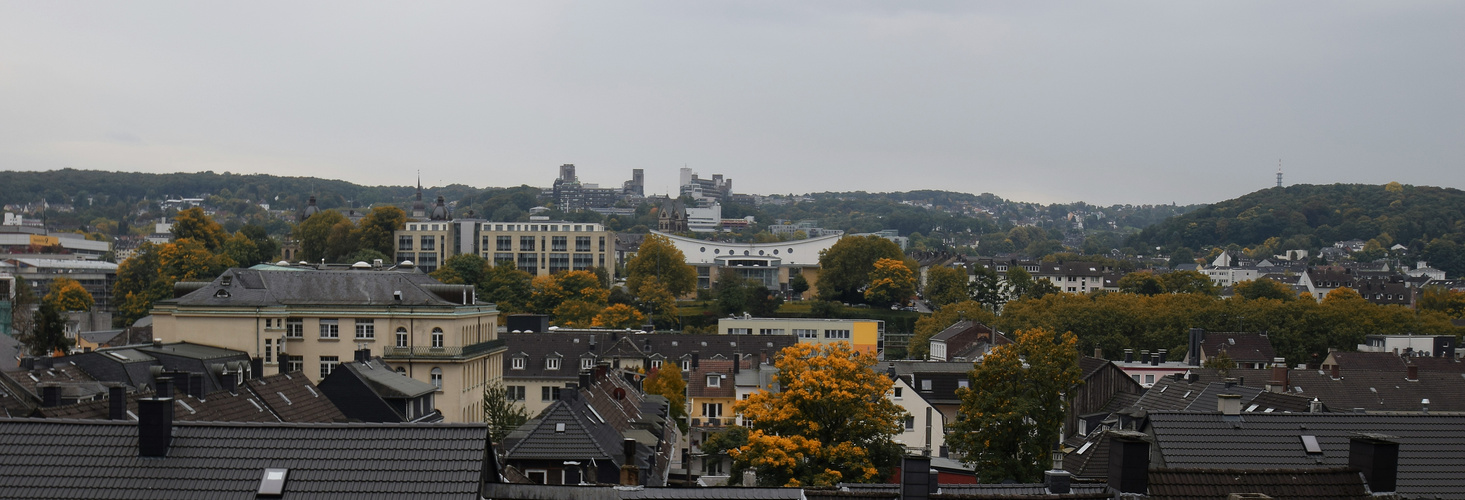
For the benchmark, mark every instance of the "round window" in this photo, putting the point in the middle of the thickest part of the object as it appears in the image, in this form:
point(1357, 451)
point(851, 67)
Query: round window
point(745, 252)
point(790, 250)
point(760, 252)
point(703, 249)
point(717, 250)
point(775, 251)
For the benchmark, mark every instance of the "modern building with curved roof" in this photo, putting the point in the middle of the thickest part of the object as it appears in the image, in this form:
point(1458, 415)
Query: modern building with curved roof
point(771, 263)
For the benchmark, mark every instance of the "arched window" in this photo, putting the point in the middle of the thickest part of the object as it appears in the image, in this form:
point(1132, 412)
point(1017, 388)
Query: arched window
point(401, 337)
point(401, 370)
point(437, 337)
point(437, 377)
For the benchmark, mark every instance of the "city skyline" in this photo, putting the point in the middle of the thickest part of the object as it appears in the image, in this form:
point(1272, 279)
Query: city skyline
point(1046, 103)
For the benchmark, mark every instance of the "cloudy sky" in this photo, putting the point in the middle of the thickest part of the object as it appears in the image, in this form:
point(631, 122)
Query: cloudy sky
point(1104, 102)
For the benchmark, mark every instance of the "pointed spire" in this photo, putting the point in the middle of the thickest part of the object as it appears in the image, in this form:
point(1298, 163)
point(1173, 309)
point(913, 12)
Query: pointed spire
point(419, 185)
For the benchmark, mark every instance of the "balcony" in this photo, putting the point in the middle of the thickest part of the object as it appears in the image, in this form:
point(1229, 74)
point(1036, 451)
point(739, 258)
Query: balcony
point(447, 352)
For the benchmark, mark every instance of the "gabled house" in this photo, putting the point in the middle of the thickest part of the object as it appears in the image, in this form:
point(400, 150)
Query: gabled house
point(1248, 350)
point(965, 340)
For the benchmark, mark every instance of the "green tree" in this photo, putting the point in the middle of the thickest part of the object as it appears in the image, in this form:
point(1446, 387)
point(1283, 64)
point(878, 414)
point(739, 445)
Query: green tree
point(1222, 363)
point(830, 423)
point(987, 289)
point(1021, 284)
point(945, 285)
point(48, 337)
point(667, 382)
point(844, 268)
point(507, 287)
point(464, 268)
point(22, 308)
point(315, 233)
point(1262, 288)
point(140, 282)
point(265, 246)
point(1188, 282)
point(798, 285)
point(242, 250)
point(502, 414)
point(1142, 283)
point(193, 223)
point(67, 295)
point(891, 282)
point(1438, 298)
point(658, 258)
point(735, 295)
point(376, 230)
point(1013, 414)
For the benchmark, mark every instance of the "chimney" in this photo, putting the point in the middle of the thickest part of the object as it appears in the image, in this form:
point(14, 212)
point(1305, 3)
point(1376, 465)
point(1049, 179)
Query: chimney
point(1192, 377)
point(1229, 404)
point(154, 426)
point(585, 378)
point(630, 474)
point(1129, 355)
point(915, 478)
point(1377, 456)
point(1057, 481)
point(180, 384)
point(1280, 380)
point(50, 395)
point(1144, 356)
point(1413, 374)
point(164, 387)
point(117, 402)
point(750, 478)
point(696, 361)
point(195, 385)
point(1129, 462)
point(1197, 336)
point(1337, 372)
point(1163, 354)
point(228, 379)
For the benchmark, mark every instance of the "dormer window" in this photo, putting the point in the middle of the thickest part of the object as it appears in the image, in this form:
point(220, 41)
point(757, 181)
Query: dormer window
point(517, 363)
point(552, 363)
point(587, 363)
point(714, 381)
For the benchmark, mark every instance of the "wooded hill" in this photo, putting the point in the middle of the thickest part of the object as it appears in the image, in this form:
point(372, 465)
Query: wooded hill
point(1313, 216)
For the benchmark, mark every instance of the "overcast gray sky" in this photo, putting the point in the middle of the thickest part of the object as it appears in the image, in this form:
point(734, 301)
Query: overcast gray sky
point(1103, 102)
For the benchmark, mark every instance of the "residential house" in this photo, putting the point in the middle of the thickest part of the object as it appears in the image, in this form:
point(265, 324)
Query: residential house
point(865, 335)
point(369, 390)
point(1247, 350)
point(965, 340)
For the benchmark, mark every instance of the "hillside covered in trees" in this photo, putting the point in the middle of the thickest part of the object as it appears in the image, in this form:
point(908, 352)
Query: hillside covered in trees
point(1429, 221)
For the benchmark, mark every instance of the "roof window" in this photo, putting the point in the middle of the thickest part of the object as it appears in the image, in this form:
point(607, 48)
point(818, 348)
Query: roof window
point(1310, 444)
point(273, 482)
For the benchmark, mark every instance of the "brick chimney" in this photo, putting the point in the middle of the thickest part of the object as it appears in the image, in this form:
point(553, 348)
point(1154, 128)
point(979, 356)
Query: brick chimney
point(630, 474)
point(1377, 456)
point(1280, 380)
point(1412, 374)
point(1229, 404)
point(50, 394)
point(916, 480)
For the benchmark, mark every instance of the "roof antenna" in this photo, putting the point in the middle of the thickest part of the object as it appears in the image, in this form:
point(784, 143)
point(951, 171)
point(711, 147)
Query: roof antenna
point(1279, 172)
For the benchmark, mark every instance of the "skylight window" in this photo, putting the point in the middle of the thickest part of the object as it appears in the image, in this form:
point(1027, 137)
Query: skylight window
point(1252, 408)
point(559, 427)
point(273, 482)
point(1083, 448)
point(1309, 443)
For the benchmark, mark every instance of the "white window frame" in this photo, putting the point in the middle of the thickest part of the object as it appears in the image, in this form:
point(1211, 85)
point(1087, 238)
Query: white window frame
point(294, 328)
point(330, 328)
point(587, 363)
point(714, 381)
point(437, 338)
point(328, 364)
point(552, 363)
point(517, 363)
point(402, 337)
point(437, 377)
point(365, 329)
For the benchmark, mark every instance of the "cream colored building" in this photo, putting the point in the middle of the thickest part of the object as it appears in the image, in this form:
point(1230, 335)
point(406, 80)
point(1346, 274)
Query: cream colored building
point(772, 264)
point(541, 246)
point(300, 319)
point(924, 427)
point(863, 334)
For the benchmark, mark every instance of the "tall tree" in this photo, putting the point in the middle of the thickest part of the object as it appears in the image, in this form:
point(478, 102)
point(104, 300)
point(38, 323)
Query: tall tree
point(48, 336)
point(618, 316)
point(1013, 413)
point(844, 268)
point(376, 230)
point(193, 223)
point(1262, 288)
point(891, 282)
point(266, 247)
point(502, 414)
point(507, 287)
point(987, 289)
point(67, 295)
point(658, 258)
point(140, 282)
point(463, 269)
point(22, 308)
point(1188, 282)
point(315, 233)
point(666, 381)
point(830, 423)
point(1141, 282)
point(945, 285)
point(242, 250)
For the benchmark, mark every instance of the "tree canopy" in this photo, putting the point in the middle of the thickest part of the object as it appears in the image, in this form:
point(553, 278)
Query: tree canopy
point(1013, 413)
point(67, 295)
point(666, 381)
point(830, 423)
point(658, 258)
point(845, 267)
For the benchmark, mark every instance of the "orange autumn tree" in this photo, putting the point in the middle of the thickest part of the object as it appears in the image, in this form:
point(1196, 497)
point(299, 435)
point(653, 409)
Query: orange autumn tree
point(830, 423)
point(1012, 414)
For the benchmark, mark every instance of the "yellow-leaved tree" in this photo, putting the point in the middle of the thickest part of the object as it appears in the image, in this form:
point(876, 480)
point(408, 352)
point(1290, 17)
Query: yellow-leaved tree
point(67, 295)
point(667, 381)
point(618, 316)
point(1012, 414)
point(830, 423)
point(891, 282)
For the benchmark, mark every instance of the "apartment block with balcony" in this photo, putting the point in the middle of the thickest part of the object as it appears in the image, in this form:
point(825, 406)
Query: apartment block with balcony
point(544, 247)
point(299, 319)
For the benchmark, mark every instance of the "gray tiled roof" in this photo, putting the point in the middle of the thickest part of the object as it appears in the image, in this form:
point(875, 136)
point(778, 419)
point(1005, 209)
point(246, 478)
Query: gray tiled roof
point(258, 401)
point(1329, 483)
point(99, 459)
point(1431, 447)
point(387, 382)
point(257, 287)
point(1240, 347)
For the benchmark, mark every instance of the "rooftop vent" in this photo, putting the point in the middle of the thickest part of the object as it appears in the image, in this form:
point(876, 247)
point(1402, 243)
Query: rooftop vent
point(360, 264)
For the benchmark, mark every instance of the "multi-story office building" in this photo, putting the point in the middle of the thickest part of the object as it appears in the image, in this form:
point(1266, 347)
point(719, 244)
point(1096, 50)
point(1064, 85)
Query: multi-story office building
point(772, 264)
point(545, 247)
point(301, 319)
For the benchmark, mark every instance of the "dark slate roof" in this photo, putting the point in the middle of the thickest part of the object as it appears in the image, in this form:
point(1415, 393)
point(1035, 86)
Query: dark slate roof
point(294, 398)
point(583, 436)
point(956, 491)
point(1206, 399)
point(386, 382)
point(101, 337)
point(1241, 347)
point(258, 401)
point(1324, 483)
point(954, 330)
point(9, 353)
point(99, 459)
point(1381, 390)
point(572, 345)
point(1388, 361)
point(1431, 447)
point(260, 288)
